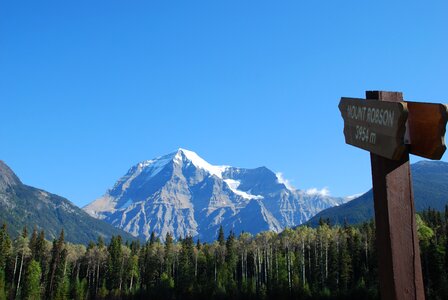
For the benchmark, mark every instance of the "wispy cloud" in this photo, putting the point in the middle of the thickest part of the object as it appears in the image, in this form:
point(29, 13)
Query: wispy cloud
point(315, 191)
point(350, 198)
point(285, 181)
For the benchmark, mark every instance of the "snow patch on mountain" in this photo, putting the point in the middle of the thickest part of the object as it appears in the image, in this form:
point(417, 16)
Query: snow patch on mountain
point(234, 184)
point(200, 163)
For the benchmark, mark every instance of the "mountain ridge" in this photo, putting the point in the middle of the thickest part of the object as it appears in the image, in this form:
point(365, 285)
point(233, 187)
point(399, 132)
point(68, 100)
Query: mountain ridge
point(22, 205)
point(183, 194)
point(430, 185)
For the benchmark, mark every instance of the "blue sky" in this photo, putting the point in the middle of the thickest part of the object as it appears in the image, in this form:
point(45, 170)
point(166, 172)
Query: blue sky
point(89, 88)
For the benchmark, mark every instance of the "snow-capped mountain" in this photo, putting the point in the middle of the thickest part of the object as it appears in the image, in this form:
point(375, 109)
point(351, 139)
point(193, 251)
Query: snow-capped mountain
point(183, 194)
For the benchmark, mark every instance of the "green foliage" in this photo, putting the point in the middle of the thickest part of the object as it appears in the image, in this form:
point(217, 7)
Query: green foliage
point(79, 289)
point(56, 282)
point(5, 246)
point(115, 264)
point(424, 232)
point(103, 292)
point(2, 285)
point(32, 286)
point(221, 238)
point(327, 262)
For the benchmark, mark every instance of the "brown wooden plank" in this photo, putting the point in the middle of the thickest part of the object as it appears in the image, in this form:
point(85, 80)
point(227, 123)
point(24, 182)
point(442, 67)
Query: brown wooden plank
point(399, 264)
point(427, 126)
point(375, 126)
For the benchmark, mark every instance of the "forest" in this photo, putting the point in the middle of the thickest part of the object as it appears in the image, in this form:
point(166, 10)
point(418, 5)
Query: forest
point(327, 262)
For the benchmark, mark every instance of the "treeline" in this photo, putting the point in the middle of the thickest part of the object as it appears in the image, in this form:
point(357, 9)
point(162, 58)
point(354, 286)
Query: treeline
point(327, 262)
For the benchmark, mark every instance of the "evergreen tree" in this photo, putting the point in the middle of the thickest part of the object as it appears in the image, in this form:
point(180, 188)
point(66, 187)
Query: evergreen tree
point(39, 251)
point(152, 239)
point(168, 253)
point(32, 287)
point(5, 246)
point(56, 274)
point(37, 246)
point(24, 232)
point(2, 285)
point(115, 263)
point(446, 239)
point(344, 263)
point(33, 243)
point(221, 238)
point(186, 266)
point(100, 242)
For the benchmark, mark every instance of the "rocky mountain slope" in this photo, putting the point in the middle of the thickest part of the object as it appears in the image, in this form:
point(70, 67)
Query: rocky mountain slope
point(22, 205)
point(183, 194)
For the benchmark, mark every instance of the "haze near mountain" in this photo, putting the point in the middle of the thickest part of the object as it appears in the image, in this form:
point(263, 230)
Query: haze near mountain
point(182, 194)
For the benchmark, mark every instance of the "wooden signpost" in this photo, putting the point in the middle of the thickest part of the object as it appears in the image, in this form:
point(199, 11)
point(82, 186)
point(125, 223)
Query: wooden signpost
point(375, 126)
point(390, 129)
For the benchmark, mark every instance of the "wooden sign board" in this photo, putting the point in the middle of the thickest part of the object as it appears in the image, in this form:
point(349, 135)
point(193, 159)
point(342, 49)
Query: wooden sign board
point(426, 129)
point(375, 126)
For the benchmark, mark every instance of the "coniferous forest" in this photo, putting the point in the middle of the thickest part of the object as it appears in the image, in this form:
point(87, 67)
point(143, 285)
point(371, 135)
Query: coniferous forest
point(327, 262)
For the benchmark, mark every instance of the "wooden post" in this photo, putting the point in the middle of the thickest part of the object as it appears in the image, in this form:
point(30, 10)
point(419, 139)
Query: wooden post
point(399, 264)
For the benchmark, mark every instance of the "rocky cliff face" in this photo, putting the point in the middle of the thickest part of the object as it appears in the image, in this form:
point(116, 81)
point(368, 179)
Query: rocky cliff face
point(7, 177)
point(183, 194)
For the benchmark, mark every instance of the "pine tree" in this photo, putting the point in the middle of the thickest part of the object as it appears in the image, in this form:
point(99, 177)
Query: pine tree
point(446, 240)
point(168, 253)
point(221, 238)
point(344, 263)
point(33, 243)
point(39, 251)
point(152, 239)
point(100, 242)
point(6, 251)
point(57, 267)
point(186, 269)
point(24, 232)
point(2, 285)
point(32, 290)
point(115, 264)
point(5, 246)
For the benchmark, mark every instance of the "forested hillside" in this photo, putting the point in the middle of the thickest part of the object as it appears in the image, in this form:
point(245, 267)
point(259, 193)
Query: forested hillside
point(304, 263)
point(22, 205)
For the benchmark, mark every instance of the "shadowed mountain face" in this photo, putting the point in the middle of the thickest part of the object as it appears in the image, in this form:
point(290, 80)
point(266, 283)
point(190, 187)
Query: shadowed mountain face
point(430, 184)
point(183, 194)
point(22, 205)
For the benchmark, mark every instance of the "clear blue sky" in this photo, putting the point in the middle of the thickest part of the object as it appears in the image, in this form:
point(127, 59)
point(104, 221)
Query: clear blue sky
point(89, 88)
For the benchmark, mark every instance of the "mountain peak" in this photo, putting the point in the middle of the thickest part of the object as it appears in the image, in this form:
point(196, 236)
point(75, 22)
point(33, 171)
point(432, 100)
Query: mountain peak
point(183, 194)
point(7, 176)
point(183, 155)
